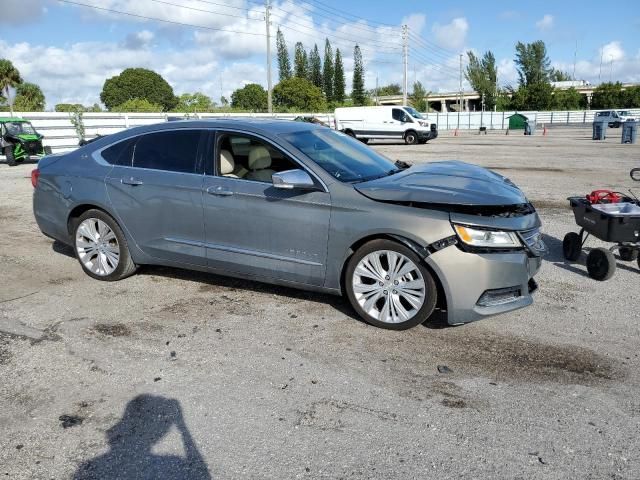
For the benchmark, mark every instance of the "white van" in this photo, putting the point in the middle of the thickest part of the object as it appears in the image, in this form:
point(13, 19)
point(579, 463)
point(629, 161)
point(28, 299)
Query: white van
point(389, 122)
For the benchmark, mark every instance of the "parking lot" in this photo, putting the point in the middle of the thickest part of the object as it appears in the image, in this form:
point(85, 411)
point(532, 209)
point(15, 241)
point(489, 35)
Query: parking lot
point(208, 375)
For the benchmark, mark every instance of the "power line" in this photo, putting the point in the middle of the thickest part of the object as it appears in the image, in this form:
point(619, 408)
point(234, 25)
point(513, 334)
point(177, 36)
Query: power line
point(111, 10)
point(206, 11)
point(339, 13)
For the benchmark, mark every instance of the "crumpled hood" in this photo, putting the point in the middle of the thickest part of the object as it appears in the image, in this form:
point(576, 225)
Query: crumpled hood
point(450, 182)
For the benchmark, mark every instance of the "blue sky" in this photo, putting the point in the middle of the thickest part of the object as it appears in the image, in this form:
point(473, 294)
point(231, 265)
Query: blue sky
point(70, 50)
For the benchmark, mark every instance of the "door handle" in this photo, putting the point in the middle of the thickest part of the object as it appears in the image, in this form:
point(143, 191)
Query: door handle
point(220, 191)
point(131, 181)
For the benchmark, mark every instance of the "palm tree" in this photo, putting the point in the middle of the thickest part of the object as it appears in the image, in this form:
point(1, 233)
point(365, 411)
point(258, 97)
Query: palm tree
point(9, 77)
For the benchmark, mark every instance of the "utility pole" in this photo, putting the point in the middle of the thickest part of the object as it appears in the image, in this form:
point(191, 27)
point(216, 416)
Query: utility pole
point(267, 18)
point(377, 102)
point(610, 68)
point(600, 74)
point(575, 55)
point(460, 97)
point(405, 61)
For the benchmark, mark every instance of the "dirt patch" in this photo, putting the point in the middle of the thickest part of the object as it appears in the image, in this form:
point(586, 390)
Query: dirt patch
point(511, 357)
point(68, 421)
point(113, 330)
point(454, 402)
point(551, 204)
point(59, 281)
point(5, 354)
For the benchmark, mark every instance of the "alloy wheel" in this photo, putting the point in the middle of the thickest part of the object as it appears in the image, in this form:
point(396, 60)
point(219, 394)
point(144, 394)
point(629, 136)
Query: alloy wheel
point(97, 247)
point(388, 286)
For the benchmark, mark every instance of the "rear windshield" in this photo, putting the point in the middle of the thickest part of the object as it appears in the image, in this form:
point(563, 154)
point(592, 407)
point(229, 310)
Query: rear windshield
point(343, 157)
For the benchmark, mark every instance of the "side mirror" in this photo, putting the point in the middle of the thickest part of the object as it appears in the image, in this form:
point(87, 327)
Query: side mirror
point(635, 174)
point(293, 179)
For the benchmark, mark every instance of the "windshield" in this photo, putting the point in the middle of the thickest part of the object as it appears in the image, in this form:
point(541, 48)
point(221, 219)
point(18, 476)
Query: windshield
point(624, 113)
point(343, 157)
point(414, 113)
point(17, 128)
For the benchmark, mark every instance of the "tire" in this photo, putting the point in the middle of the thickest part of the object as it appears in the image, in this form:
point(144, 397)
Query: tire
point(422, 142)
point(572, 246)
point(371, 291)
point(410, 137)
point(628, 254)
point(47, 150)
point(364, 140)
point(86, 248)
point(8, 152)
point(601, 264)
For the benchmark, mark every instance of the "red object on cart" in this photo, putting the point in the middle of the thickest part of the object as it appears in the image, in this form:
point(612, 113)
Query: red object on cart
point(603, 196)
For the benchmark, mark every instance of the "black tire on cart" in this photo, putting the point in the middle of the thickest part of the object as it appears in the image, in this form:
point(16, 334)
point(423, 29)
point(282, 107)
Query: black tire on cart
point(628, 254)
point(572, 246)
point(601, 264)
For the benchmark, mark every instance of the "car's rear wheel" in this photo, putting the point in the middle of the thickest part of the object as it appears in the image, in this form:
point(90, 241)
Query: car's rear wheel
point(410, 137)
point(8, 153)
point(388, 285)
point(101, 247)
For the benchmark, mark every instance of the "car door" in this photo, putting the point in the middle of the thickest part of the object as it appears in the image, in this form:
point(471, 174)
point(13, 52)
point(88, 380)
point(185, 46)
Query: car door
point(255, 229)
point(155, 188)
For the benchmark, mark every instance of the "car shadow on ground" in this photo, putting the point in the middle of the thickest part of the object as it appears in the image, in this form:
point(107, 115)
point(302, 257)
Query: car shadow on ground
point(145, 422)
point(437, 320)
point(556, 257)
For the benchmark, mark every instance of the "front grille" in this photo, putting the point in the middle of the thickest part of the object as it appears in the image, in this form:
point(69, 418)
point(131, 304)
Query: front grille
point(533, 240)
point(32, 147)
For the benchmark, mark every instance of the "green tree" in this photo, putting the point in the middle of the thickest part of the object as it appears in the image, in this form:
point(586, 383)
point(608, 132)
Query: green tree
point(532, 63)
point(339, 83)
point(418, 97)
point(284, 64)
point(137, 105)
point(298, 94)
point(358, 94)
point(252, 97)
point(9, 78)
point(138, 83)
point(300, 62)
point(29, 98)
point(68, 107)
point(391, 89)
point(567, 99)
point(608, 95)
point(224, 101)
point(327, 71)
point(194, 102)
point(537, 96)
point(315, 67)
point(632, 97)
point(482, 74)
point(559, 76)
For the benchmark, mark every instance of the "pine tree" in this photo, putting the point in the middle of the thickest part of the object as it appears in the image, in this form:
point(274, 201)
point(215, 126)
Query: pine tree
point(300, 62)
point(315, 67)
point(338, 79)
point(284, 65)
point(358, 94)
point(327, 71)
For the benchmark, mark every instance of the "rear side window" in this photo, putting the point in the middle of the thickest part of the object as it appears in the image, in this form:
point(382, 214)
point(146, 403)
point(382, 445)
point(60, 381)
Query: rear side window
point(120, 153)
point(175, 151)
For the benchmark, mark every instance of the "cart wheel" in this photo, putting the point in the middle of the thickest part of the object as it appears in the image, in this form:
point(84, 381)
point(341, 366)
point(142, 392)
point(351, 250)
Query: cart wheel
point(572, 246)
point(627, 254)
point(601, 264)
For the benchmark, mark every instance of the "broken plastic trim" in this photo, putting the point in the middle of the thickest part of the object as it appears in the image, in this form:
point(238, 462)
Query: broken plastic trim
point(499, 211)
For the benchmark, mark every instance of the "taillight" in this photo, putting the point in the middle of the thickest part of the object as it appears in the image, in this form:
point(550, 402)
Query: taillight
point(35, 174)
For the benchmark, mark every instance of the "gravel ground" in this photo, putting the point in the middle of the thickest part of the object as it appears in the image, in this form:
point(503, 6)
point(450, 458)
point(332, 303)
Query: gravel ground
point(186, 375)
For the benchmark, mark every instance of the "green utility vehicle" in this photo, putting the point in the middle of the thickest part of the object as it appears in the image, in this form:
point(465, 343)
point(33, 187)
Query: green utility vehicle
point(19, 140)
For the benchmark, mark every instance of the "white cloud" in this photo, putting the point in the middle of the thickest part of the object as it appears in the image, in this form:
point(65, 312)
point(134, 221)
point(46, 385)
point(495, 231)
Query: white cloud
point(545, 23)
point(22, 11)
point(138, 40)
point(451, 35)
point(612, 51)
point(609, 63)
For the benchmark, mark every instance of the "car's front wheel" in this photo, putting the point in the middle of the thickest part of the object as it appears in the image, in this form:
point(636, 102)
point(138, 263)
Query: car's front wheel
point(11, 159)
point(388, 285)
point(101, 247)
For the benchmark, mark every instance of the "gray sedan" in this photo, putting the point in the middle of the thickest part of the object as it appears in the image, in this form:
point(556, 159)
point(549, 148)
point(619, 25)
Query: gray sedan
point(299, 205)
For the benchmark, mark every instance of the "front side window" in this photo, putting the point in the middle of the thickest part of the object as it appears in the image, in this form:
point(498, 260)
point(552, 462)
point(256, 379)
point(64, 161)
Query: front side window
point(248, 158)
point(343, 157)
point(174, 151)
point(398, 114)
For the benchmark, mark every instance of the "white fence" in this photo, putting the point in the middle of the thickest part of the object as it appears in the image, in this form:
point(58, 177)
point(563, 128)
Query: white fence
point(61, 135)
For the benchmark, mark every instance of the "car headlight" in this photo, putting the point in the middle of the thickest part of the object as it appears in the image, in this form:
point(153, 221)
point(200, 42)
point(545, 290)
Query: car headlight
point(475, 237)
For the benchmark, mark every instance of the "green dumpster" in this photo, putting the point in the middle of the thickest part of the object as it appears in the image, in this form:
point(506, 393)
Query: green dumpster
point(517, 121)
